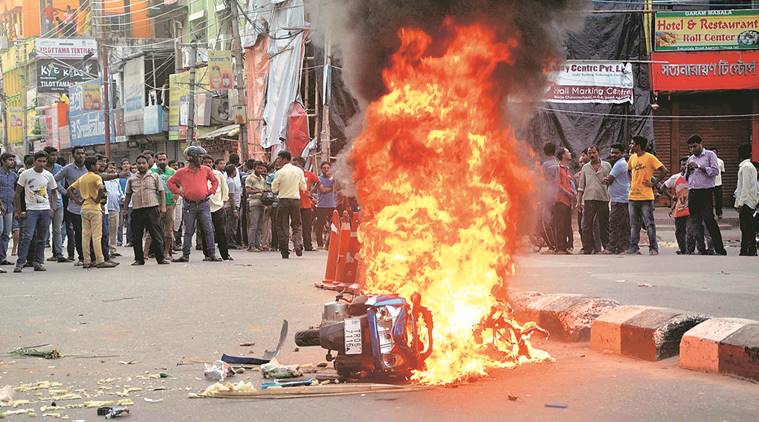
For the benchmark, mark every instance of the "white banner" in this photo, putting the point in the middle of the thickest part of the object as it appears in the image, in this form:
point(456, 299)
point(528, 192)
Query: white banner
point(64, 48)
point(591, 82)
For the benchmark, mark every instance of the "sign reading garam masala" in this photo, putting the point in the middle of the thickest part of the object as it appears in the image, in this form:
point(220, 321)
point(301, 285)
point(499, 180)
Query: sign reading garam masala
point(707, 30)
point(608, 82)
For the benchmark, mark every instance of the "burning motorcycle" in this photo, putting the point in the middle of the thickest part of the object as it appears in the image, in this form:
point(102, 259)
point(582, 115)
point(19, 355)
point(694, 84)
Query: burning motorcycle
point(374, 336)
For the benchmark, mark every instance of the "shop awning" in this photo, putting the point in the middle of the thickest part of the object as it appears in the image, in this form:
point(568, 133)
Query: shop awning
point(231, 131)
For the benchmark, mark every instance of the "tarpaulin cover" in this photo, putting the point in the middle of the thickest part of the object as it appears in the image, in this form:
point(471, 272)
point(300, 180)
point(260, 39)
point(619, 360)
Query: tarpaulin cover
point(297, 129)
point(285, 20)
point(612, 36)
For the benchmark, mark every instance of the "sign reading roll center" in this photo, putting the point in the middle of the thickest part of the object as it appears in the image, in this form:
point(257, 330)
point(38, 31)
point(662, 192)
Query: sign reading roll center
point(591, 82)
point(707, 30)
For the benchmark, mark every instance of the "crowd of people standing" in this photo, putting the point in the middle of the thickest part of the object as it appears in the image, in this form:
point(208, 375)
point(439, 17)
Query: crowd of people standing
point(614, 199)
point(156, 205)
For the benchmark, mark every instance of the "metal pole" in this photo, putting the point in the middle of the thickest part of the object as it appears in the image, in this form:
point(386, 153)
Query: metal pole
point(325, 136)
point(24, 105)
point(239, 75)
point(191, 104)
point(106, 107)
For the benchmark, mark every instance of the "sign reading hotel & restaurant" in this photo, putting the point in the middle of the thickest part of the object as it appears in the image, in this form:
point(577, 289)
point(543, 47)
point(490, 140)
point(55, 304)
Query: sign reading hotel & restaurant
point(707, 30)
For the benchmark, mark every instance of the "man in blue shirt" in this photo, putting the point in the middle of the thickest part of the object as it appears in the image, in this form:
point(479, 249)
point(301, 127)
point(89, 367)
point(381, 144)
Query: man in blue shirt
point(325, 206)
point(65, 177)
point(8, 180)
point(618, 182)
point(53, 167)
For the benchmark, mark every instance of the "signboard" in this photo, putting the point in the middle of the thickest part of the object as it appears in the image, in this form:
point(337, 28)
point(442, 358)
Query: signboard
point(65, 48)
point(56, 76)
point(707, 30)
point(591, 82)
point(220, 70)
point(15, 117)
point(86, 123)
point(134, 95)
point(179, 91)
point(704, 71)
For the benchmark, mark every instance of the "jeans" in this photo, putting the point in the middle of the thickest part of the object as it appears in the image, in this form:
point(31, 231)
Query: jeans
point(76, 221)
point(231, 222)
point(219, 221)
point(70, 221)
point(323, 221)
point(619, 228)
point(33, 229)
point(288, 215)
point(142, 219)
point(562, 223)
point(307, 218)
point(255, 225)
point(591, 211)
point(123, 222)
point(129, 237)
point(200, 212)
point(113, 226)
point(6, 227)
point(92, 235)
point(106, 234)
point(702, 213)
point(642, 212)
point(748, 233)
point(57, 239)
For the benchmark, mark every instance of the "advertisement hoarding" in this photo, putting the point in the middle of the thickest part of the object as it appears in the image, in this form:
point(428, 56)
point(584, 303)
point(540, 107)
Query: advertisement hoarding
point(707, 30)
point(56, 75)
point(705, 70)
point(134, 95)
point(220, 76)
point(608, 82)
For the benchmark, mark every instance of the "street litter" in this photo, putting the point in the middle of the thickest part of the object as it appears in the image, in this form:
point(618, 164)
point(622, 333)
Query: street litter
point(281, 384)
point(556, 405)
point(126, 391)
point(513, 398)
point(645, 285)
point(218, 371)
point(274, 369)
point(103, 403)
point(229, 391)
point(268, 355)
point(27, 412)
point(6, 393)
point(113, 412)
point(250, 344)
point(149, 400)
point(34, 351)
point(127, 362)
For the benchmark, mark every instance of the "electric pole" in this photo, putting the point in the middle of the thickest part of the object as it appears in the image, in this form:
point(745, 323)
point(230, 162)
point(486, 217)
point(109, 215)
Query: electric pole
point(325, 135)
point(191, 103)
point(106, 83)
point(239, 75)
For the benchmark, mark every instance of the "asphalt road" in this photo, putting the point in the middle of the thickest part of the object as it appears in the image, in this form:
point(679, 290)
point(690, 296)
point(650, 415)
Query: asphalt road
point(119, 328)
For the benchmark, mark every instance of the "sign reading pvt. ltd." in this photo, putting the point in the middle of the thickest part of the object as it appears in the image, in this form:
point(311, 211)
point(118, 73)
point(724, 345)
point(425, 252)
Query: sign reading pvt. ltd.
point(707, 30)
point(608, 82)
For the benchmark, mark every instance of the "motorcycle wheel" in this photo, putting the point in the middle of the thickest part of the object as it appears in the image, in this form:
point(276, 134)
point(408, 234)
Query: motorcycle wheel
point(307, 338)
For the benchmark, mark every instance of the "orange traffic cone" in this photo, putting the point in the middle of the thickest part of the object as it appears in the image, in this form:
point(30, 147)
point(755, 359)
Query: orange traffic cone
point(329, 274)
point(351, 257)
point(343, 249)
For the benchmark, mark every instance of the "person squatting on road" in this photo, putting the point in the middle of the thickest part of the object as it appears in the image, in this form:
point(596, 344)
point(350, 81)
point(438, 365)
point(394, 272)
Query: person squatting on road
point(192, 184)
point(288, 183)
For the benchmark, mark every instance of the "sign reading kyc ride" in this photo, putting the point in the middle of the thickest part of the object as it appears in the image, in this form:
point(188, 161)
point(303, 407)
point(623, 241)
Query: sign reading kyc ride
point(591, 82)
point(707, 30)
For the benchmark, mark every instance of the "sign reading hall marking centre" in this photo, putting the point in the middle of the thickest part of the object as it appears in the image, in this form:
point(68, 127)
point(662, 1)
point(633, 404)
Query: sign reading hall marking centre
point(591, 82)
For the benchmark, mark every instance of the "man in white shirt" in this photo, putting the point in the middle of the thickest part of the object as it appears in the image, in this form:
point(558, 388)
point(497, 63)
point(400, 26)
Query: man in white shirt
point(217, 201)
point(718, 185)
point(113, 205)
point(746, 199)
point(287, 184)
point(35, 207)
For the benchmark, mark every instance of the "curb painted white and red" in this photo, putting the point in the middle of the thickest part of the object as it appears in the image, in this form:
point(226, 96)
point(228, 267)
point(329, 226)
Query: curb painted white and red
point(716, 345)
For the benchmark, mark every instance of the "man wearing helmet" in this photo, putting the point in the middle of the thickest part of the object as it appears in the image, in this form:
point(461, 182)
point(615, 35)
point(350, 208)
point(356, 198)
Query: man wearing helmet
point(192, 184)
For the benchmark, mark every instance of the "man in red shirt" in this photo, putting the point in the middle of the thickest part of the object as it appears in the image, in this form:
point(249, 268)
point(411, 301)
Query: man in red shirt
point(563, 204)
point(191, 183)
point(306, 204)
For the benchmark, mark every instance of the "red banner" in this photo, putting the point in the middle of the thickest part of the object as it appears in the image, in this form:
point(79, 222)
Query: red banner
point(705, 71)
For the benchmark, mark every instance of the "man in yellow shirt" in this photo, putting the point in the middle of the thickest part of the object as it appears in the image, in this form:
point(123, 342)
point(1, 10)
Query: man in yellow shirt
point(91, 192)
point(288, 183)
point(642, 167)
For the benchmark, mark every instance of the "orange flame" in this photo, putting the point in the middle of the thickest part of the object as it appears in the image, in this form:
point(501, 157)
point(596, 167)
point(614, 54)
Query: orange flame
point(439, 181)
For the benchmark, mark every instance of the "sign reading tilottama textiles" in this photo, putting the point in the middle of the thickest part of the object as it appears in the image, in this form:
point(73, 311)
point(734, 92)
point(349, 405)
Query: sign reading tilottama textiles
point(707, 30)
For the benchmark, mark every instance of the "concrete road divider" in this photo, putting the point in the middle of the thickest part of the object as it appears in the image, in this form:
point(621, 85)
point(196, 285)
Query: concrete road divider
point(642, 332)
point(567, 317)
point(724, 346)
